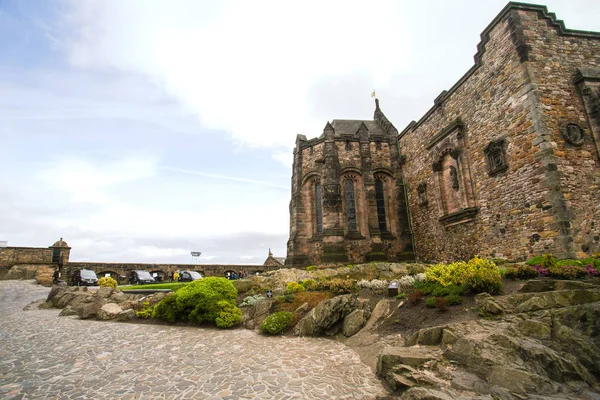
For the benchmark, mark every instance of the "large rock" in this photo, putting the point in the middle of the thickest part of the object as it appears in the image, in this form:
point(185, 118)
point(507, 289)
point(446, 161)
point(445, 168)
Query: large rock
point(327, 316)
point(253, 316)
point(89, 309)
point(353, 322)
point(109, 311)
point(540, 345)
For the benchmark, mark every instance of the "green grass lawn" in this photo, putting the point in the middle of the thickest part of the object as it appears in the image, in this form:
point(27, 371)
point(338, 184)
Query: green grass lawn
point(175, 286)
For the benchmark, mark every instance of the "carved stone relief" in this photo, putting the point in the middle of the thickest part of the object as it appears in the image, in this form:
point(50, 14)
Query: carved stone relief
point(453, 177)
point(422, 193)
point(332, 196)
point(572, 133)
point(496, 157)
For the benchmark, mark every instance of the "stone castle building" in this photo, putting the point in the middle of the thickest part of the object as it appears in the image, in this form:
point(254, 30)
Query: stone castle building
point(348, 200)
point(505, 164)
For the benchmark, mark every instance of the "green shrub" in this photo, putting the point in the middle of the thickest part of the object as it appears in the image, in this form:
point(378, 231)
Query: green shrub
point(146, 311)
point(402, 296)
point(107, 281)
point(309, 284)
point(511, 273)
point(441, 303)
point(520, 272)
point(430, 302)
point(437, 290)
point(526, 272)
point(478, 275)
point(568, 272)
point(454, 299)
point(286, 298)
point(168, 309)
point(486, 281)
point(277, 322)
point(198, 301)
point(311, 268)
point(568, 262)
point(339, 286)
point(535, 261)
point(593, 261)
point(295, 287)
point(229, 315)
point(548, 261)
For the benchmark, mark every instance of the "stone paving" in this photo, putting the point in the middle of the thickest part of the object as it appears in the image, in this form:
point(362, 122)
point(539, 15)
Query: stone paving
point(43, 356)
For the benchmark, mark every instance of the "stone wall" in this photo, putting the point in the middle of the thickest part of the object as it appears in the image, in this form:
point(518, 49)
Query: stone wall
point(554, 59)
point(485, 170)
point(10, 256)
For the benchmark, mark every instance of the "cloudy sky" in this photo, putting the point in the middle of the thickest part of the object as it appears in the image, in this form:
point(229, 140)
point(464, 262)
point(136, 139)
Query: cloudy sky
point(143, 130)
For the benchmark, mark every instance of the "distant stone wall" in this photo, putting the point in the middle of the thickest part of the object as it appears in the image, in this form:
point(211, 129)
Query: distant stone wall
point(488, 170)
point(10, 256)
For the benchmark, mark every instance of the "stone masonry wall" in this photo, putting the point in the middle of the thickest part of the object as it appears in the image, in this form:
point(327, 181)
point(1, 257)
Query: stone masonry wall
point(554, 60)
point(10, 256)
point(494, 102)
point(518, 95)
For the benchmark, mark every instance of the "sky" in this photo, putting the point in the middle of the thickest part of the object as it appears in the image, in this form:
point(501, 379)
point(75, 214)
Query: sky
point(140, 131)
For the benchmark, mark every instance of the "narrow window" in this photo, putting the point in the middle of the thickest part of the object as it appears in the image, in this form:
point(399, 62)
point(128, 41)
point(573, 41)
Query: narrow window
point(350, 205)
point(318, 208)
point(55, 256)
point(380, 205)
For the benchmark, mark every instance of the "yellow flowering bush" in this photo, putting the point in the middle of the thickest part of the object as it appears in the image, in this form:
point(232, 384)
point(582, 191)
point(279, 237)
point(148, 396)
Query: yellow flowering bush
point(478, 275)
point(295, 287)
point(107, 281)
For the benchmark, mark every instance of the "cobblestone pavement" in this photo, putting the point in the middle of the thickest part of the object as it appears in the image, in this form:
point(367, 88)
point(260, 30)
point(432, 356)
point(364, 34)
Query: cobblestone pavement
point(43, 356)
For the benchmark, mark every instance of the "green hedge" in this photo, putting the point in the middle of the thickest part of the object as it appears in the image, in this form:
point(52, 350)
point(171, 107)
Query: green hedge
point(205, 300)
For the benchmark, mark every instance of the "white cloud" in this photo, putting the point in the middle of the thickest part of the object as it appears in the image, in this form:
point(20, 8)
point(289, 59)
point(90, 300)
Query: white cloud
point(85, 181)
point(249, 66)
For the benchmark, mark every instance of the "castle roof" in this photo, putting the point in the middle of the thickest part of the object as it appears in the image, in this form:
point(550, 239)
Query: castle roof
point(378, 126)
point(60, 243)
point(349, 127)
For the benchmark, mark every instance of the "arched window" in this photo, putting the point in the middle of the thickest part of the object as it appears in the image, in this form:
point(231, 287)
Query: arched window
point(318, 208)
point(350, 205)
point(379, 197)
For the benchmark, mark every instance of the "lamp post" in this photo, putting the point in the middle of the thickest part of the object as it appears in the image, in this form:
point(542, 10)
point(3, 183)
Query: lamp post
point(195, 257)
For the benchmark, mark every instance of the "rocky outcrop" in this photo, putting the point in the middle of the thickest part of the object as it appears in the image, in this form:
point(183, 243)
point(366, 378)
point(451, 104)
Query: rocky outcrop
point(544, 344)
point(254, 315)
point(328, 316)
point(103, 303)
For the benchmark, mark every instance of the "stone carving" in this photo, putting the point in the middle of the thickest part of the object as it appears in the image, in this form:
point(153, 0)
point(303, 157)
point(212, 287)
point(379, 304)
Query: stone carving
point(437, 166)
point(573, 134)
point(496, 158)
point(332, 196)
point(422, 193)
point(454, 177)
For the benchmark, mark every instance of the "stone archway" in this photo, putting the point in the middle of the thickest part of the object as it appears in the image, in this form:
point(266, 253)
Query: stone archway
point(159, 275)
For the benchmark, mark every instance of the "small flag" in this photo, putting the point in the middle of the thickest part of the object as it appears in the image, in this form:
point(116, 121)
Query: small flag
point(373, 94)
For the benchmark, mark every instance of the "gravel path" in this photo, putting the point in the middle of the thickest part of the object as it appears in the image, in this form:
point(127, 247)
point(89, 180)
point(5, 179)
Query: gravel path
point(43, 356)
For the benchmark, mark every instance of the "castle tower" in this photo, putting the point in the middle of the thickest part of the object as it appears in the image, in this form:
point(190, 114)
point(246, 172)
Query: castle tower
point(60, 252)
point(348, 202)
